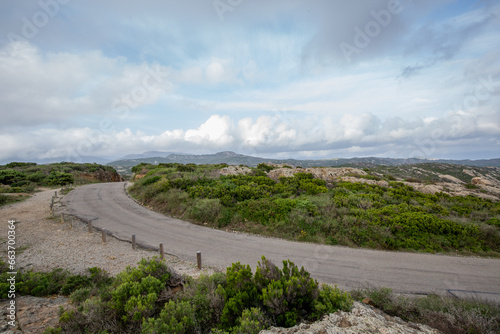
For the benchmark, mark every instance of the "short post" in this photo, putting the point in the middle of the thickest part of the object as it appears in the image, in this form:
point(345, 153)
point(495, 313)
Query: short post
point(62, 218)
point(55, 194)
point(103, 235)
point(71, 223)
point(198, 259)
point(90, 226)
point(162, 253)
point(133, 242)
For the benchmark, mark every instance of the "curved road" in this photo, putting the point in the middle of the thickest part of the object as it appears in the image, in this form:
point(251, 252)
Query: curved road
point(108, 206)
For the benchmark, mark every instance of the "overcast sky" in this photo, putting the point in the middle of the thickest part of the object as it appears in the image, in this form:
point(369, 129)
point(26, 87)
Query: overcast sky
point(294, 78)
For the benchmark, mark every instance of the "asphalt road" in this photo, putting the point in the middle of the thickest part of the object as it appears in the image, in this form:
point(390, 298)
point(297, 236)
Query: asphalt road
point(109, 206)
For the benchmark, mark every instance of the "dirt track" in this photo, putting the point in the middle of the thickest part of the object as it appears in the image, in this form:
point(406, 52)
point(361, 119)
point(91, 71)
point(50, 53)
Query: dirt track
point(108, 206)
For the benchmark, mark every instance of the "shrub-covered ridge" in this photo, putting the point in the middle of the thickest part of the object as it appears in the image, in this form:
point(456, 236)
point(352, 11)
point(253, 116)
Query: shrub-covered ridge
point(308, 209)
point(17, 177)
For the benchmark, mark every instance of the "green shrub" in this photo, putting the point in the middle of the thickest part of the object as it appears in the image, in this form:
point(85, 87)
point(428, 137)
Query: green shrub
point(150, 180)
point(207, 296)
point(137, 289)
point(252, 321)
point(140, 166)
point(9, 177)
point(60, 178)
point(206, 210)
point(241, 292)
point(291, 297)
point(80, 295)
point(266, 273)
point(265, 167)
point(186, 168)
point(330, 300)
point(38, 177)
point(20, 164)
point(41, 284)
point(175, 318)
point(57, 281)
point(135, 300)
point(74, 283)
point(494, 222)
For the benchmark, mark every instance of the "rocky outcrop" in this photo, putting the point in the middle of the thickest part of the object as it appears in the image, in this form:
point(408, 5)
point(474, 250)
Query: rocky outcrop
point(362, 319)
point(381, 183)
point(481, 181)
point(235, 170)
point(327, 173)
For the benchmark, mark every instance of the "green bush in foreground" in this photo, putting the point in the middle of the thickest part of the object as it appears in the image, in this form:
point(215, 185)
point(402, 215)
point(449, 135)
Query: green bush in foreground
point(175, 318)
point(239, 301)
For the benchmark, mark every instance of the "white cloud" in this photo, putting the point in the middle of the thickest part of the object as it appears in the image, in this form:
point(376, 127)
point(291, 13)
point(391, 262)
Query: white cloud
point(37, 88)
point(359, 135)
point(221, 71)
point(215, 132)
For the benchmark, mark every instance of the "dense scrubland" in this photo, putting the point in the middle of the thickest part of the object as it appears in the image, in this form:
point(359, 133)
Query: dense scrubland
point(337, 213)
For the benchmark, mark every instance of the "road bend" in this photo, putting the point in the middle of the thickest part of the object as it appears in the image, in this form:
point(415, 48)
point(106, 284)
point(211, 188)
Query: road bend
point(108, 206)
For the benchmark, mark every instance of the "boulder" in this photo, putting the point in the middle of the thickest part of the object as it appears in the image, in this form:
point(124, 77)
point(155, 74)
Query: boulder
point(481, 181)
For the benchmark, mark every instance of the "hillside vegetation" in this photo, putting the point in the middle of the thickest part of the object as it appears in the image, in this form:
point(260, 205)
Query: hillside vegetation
point(305, 208)
point(25, 177)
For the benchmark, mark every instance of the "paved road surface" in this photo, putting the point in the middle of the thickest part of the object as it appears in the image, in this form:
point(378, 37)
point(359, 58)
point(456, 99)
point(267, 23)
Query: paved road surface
point(108, 206)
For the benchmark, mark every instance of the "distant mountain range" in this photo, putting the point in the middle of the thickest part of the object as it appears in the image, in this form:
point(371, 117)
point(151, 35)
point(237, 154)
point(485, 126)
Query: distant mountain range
point(125, 164)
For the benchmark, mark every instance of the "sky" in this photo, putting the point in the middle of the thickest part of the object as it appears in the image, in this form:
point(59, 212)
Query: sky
point(83, 80)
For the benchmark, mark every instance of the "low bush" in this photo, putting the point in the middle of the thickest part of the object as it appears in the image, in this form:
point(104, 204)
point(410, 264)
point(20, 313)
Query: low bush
point(175, 318)
point(57, 281)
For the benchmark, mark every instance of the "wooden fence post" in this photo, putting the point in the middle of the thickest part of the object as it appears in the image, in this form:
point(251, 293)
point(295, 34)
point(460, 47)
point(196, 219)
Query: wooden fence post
point(103, 235)
point(198, 259)
point(134, 245)
point(90, 226)
point(162, 253)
